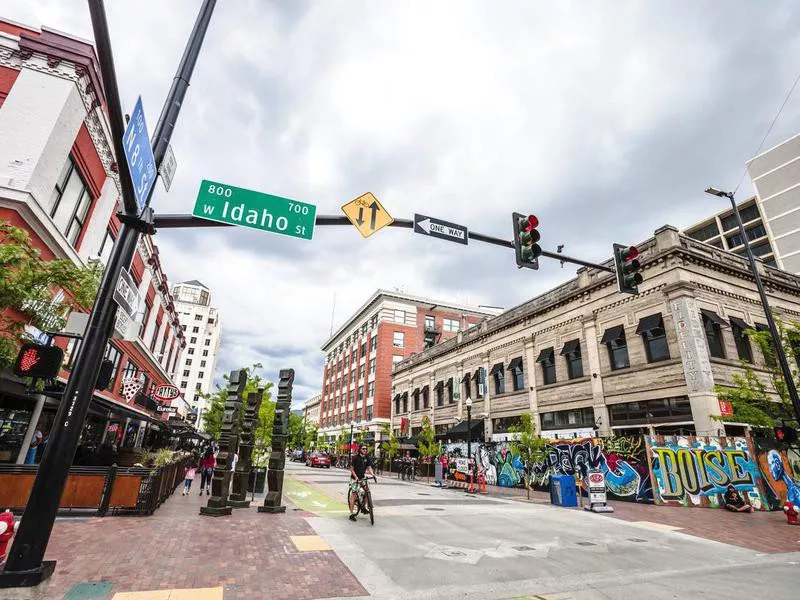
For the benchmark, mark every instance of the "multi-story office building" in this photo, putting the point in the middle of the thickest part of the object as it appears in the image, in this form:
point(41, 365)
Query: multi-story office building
point(722, 231)
point(389, 327)
point(584, 359)
point(311, 409)
point(201, 326)
point(776, 178)
point(58, 181)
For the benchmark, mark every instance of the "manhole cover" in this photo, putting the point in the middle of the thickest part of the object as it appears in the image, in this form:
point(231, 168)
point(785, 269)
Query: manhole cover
point(422, 494)
point(586, 544)
point(636, 540)
point(433, 508)
point(523, 548)
point(453, 553)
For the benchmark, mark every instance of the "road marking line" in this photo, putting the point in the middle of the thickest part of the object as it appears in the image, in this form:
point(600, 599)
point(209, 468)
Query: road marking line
point(653, 525)
point(309, 543)
point(214, 593)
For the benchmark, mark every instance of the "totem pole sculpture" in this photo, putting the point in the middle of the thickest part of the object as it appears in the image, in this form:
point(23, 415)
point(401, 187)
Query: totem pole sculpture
point(228, 439)
point(277, 458)
point(241, 476)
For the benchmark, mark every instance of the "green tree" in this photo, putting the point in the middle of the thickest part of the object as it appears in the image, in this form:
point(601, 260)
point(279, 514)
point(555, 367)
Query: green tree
point(390, 446)
point(295, 436)
point(427, 445)
point(530, 447)
point(28, 285)
point(211, 421)
point(310, 437)
point(753, 401)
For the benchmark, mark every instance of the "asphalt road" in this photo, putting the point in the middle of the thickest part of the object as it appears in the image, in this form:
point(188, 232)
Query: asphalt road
point(443, 544)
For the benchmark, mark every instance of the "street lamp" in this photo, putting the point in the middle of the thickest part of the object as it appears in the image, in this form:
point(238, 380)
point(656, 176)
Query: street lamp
point(469, 429)
point(776, 338)
point(350, 451)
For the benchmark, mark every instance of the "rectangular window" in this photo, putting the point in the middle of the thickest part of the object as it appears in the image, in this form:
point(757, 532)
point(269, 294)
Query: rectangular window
point(562, 419)
point(547, 360)
point(145, 317)
point(207, 343)
point(371, 389)
point(440, 393)
point(105, 248)
point(193, 340)
point(450, 325)
point(190, 350)
point(372, 365)
point(712, 324)
point(183, 385)
point(400, 316)
point(369, 413)
point(364, 349)
point(364, 328)
point(651, 328)
point(198, 317)
point(416, 399)
point(518, 377)
point(572, 354)
point(451, 391)
point(398, 339)
point(426, 397)
point(69, 202)
point(360, 393)
point(397, 404)
point(614, 339)
point(430, 323)
point(195, 330)
point(351, 396)
point(396, 358)
point(499, 376)
point(186, 373)
point(202, 363)
point(374, 345)
point(361, 371)
point(743, 349)
point(188, 361)
point(405, 402)
point(480, 382)
point(201, 374)
point(373, 321)
point(205, 352)
point(198, 385)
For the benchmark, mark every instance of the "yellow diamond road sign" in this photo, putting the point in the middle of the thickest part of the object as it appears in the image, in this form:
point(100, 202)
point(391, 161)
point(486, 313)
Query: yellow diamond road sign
point(367, 214)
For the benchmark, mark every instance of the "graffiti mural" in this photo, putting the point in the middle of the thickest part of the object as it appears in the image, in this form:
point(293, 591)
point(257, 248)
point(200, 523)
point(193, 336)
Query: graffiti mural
point(623, 460)
point(696, 471)
point(779, 469)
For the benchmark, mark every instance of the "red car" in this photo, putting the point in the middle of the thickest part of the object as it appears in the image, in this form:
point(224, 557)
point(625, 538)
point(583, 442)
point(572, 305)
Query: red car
point(317, 459)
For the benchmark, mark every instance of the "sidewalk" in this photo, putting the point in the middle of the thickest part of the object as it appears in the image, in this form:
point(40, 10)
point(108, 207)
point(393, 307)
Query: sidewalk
point(761, 531)
point(249, 555)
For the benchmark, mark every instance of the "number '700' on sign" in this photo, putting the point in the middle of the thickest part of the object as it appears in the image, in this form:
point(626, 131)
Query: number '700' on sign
point(248, 208)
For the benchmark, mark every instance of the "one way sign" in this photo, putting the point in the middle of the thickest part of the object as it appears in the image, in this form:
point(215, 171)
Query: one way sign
point(441, 229)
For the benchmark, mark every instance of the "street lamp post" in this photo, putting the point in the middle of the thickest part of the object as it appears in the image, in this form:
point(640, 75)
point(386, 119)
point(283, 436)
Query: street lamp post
point(469, 430)
point(773, 329)
point(350, 448)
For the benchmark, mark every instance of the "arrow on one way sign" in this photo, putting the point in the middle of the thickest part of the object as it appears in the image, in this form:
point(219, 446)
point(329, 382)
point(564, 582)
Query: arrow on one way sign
point(438, 228)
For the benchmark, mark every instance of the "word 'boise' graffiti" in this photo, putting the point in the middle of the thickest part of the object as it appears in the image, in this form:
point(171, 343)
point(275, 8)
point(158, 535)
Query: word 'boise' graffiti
point(687, 469)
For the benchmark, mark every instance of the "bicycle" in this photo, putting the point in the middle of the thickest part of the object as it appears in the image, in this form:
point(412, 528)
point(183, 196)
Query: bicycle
point(364, 499)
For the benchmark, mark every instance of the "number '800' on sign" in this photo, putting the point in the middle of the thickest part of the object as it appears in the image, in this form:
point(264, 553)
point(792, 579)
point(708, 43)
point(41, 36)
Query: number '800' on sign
point(248, 208)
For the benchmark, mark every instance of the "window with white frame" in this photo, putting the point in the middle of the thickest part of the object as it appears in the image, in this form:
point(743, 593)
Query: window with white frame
point(398, 339)
point(400, 316)
point(450, 325)
point(69, 202)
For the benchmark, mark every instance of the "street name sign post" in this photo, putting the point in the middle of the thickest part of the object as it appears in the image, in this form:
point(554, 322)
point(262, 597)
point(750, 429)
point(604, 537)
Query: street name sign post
point(228, 204)
point(141, 163)
point(126, 294)
point(168, 168)
point(444, 230)
point(367, 214)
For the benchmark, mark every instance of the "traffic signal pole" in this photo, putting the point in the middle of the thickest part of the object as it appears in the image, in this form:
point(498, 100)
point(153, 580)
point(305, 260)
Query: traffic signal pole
point(25, 565)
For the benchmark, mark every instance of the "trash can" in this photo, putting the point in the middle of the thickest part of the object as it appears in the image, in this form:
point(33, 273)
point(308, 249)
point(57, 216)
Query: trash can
point(563, 491)
point(259, 477)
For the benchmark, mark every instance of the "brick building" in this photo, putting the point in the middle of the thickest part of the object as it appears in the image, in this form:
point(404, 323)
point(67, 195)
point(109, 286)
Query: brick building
point(58, 182)
point(388, 328)
point(585, 360)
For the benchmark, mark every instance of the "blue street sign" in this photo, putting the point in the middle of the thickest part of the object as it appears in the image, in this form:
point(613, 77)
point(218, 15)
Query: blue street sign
point(141, 163)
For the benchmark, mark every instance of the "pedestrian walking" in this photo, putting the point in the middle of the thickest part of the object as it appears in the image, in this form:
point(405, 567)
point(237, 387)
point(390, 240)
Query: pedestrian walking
point(444, 460)
point(437, 469)
point(188, 477)
point(207, 470)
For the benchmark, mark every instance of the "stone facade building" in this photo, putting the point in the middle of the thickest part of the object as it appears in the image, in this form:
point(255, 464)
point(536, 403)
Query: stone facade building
point(585, 360)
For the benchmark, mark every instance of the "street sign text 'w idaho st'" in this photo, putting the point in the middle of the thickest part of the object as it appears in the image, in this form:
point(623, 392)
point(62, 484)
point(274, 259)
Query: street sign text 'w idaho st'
point(237, 206)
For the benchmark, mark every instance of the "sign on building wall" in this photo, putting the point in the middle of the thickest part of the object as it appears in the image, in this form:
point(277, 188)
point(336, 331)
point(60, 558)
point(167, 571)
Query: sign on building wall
point(692, 344)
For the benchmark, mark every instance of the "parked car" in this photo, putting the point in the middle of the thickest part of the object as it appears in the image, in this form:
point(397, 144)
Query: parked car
point(318, 459)
point(298, 456)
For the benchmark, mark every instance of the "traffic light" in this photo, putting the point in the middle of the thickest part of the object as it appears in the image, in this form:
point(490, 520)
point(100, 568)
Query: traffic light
point(627, 267)
point(525, 240)
point(786, 434)
point(38, 360)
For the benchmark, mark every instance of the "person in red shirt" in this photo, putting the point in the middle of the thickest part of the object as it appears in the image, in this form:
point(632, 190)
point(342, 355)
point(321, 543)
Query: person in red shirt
point(207, 464)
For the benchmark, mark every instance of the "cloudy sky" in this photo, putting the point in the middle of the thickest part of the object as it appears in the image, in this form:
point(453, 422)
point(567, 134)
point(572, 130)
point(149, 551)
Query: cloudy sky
point(606, 119)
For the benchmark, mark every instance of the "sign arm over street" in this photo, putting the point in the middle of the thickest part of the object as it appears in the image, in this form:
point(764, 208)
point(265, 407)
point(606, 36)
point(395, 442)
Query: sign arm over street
point(178, 221)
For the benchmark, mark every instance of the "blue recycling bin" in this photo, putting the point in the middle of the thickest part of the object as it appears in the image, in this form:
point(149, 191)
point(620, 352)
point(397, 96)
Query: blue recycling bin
point(563, 491)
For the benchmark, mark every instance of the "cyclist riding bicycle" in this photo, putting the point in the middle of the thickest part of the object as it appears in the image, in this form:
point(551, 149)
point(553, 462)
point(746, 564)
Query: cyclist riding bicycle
point(362, 465)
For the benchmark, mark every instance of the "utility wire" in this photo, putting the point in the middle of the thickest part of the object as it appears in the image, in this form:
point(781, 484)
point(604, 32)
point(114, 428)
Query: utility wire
point(769, 129)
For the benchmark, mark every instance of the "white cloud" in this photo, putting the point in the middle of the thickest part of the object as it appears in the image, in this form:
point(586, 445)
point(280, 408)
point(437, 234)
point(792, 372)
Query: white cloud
point(607, 119)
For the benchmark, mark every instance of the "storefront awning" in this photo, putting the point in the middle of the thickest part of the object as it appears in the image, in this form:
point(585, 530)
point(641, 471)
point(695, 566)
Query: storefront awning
point(713, 317)
point(515, 363)
point(546, 355)
point(459, 431)
point(612, 334)
point(649, 323)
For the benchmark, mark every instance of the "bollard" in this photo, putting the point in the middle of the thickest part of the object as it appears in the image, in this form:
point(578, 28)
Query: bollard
point(6, 532)
point(792, 513)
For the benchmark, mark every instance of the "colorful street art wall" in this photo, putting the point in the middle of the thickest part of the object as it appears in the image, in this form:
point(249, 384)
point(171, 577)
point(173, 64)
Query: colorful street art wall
point(622, 459)
point(690, 471)
point(780, 471)
point(671, 470)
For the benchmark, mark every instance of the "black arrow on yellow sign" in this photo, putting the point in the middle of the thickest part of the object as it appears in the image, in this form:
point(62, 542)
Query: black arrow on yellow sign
point(374, 208)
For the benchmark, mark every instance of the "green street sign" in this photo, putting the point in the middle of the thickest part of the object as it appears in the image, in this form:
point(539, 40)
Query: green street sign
point(237, 206)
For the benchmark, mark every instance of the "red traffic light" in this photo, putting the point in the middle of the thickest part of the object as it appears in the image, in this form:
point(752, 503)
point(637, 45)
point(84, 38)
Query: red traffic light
point(38, 360)
point(630, 253)
point(785, 434)
point(533, 223)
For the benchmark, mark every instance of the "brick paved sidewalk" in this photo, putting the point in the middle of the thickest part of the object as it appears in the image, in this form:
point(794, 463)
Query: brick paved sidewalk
point(249, 554)
point(760, 531)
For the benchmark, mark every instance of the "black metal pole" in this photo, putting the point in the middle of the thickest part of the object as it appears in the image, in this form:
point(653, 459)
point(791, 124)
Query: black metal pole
point(350, 450)
point(791, 388)
point(25, 565)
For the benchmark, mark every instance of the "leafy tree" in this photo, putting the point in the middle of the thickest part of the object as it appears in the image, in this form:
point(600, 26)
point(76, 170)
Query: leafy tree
point(390, 446)
point(295, 435)
point(211, 421)
point(753, 401)
point(310, 435)
point(427, 445)
point(28, 285)
point(342, 440)
point(530, 447)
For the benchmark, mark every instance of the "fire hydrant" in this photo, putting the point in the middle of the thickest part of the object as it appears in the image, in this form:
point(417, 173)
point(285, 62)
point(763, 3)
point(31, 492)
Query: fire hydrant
point(6, 531)
point(790, 509)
